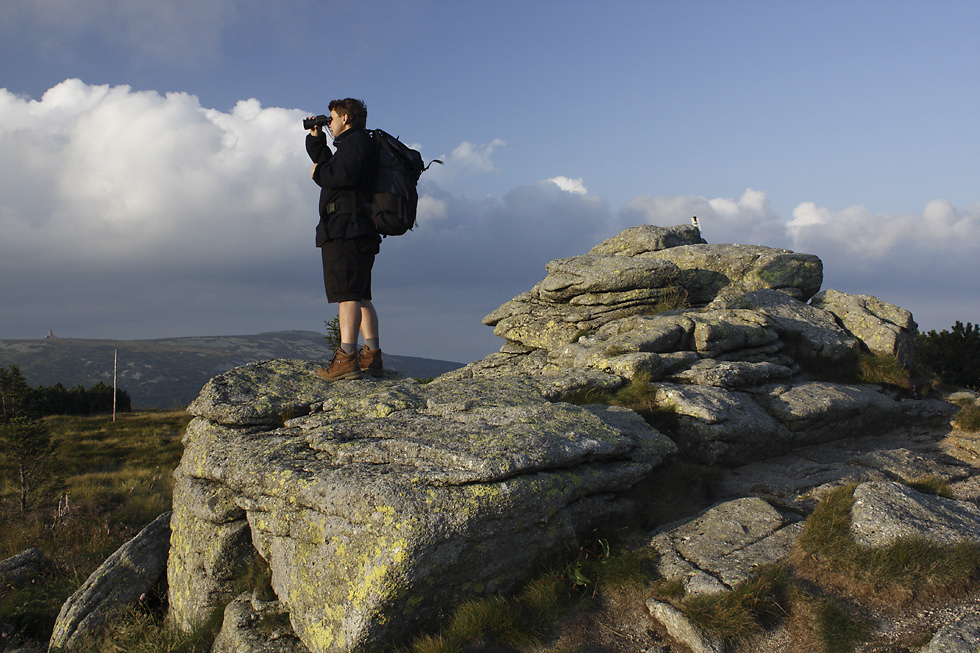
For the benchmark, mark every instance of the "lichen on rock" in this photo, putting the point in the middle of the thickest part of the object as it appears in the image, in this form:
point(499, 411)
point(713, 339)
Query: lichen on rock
point(378, 504)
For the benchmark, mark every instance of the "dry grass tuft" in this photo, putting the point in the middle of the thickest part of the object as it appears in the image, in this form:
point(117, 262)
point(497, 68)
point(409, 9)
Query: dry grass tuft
point(968, 419)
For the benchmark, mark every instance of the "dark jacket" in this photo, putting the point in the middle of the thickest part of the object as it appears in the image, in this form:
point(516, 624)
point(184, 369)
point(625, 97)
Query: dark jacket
point(346, 180)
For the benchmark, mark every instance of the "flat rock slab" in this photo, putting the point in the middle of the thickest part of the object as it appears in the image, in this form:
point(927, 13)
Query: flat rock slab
point(707, 270)
point(589, 274)
point(716, 425)
point(724, 546)
point(377, 504)
point(800, 476)
point(647, 238)
point(886, 512)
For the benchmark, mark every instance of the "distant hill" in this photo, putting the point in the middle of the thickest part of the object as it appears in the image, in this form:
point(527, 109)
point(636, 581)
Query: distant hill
point(170, 373)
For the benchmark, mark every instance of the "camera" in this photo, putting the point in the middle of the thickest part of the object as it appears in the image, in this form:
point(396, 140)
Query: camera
point(318, 121)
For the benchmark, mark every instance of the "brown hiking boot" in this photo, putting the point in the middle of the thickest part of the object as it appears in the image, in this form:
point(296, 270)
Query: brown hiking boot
point(370, 362)
point(344, 366)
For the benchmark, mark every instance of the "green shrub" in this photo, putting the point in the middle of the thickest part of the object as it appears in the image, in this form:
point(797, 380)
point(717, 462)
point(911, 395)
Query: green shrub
point(30, 453)
point(954, 355)
point(333, 333)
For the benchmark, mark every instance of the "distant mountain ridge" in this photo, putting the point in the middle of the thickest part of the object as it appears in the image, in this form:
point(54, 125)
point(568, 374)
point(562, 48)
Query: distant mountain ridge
point(170, 372)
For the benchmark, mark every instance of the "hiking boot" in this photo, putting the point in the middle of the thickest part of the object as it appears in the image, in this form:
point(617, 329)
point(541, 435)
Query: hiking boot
point(370, 362)
point(343, 366)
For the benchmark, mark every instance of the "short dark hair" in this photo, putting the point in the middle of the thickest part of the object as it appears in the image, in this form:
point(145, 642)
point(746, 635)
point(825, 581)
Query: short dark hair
point(355, 110)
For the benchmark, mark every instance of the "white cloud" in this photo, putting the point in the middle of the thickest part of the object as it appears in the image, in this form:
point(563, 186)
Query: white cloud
point(466, 159)
point(431, 209)
point(940, 236)
point(575, 186)
point(123, 175)
point(747, 220)
point(472, 158)
point(925, 262)
point(134, 214)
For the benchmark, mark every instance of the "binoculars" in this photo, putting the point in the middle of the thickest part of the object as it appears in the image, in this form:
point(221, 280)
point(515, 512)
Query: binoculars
point(317, 121)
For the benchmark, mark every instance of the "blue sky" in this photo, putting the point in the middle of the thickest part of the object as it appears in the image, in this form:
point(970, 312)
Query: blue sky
point(153, 181)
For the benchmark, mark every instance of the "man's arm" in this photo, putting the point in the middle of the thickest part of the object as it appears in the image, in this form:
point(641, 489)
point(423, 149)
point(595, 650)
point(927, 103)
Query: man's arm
point(344, 168)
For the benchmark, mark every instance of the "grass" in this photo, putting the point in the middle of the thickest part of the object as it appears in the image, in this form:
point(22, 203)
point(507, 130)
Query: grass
point(932, 485)
point(674, 297)
point(118, 479)
point(883, 369)
point(579, 582)
point(640, 395)
point(141, 631)
point(747, 610)
point(909, 568)
point(827, 588)
point(968, 418)
point(857, 367)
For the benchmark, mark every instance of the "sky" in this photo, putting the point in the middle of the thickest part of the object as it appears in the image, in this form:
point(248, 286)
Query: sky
point(154, 181)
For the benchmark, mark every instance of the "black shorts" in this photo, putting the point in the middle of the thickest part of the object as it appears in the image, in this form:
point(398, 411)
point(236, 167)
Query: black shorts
point(347, 268)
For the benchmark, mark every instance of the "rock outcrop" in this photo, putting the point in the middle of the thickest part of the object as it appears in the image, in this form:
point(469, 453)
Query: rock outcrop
point(378, 504)
point(119, 583)
point(712, 552)
point(23, 568)
point(724, 332)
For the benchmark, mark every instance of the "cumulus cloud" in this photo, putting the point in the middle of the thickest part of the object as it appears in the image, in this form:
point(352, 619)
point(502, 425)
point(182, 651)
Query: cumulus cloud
point(467, 158)
point(925, 262)
point(933, 249)
point(747, 220)
point(136, 214)
point(124, 176)
point(153, 214)
point(576, 186)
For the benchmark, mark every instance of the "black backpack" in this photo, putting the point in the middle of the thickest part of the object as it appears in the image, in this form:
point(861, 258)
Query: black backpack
point(395, 201)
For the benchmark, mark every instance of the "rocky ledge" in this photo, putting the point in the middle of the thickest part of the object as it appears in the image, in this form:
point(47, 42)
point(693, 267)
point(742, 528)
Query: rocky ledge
point(374, 506)
point(737, 355)
point(378, 504)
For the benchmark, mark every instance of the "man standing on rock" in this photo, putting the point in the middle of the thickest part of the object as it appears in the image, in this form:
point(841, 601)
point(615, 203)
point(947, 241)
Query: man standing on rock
point(346, 236)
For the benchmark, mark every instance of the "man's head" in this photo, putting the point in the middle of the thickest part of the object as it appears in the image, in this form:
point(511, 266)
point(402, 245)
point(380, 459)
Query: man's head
point(345, 114)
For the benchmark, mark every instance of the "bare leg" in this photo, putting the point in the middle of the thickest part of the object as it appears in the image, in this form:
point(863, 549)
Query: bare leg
point(369, 320)
point(349, 315)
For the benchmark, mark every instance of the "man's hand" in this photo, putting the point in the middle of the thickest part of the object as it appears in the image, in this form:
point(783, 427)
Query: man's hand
point(315, 131)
